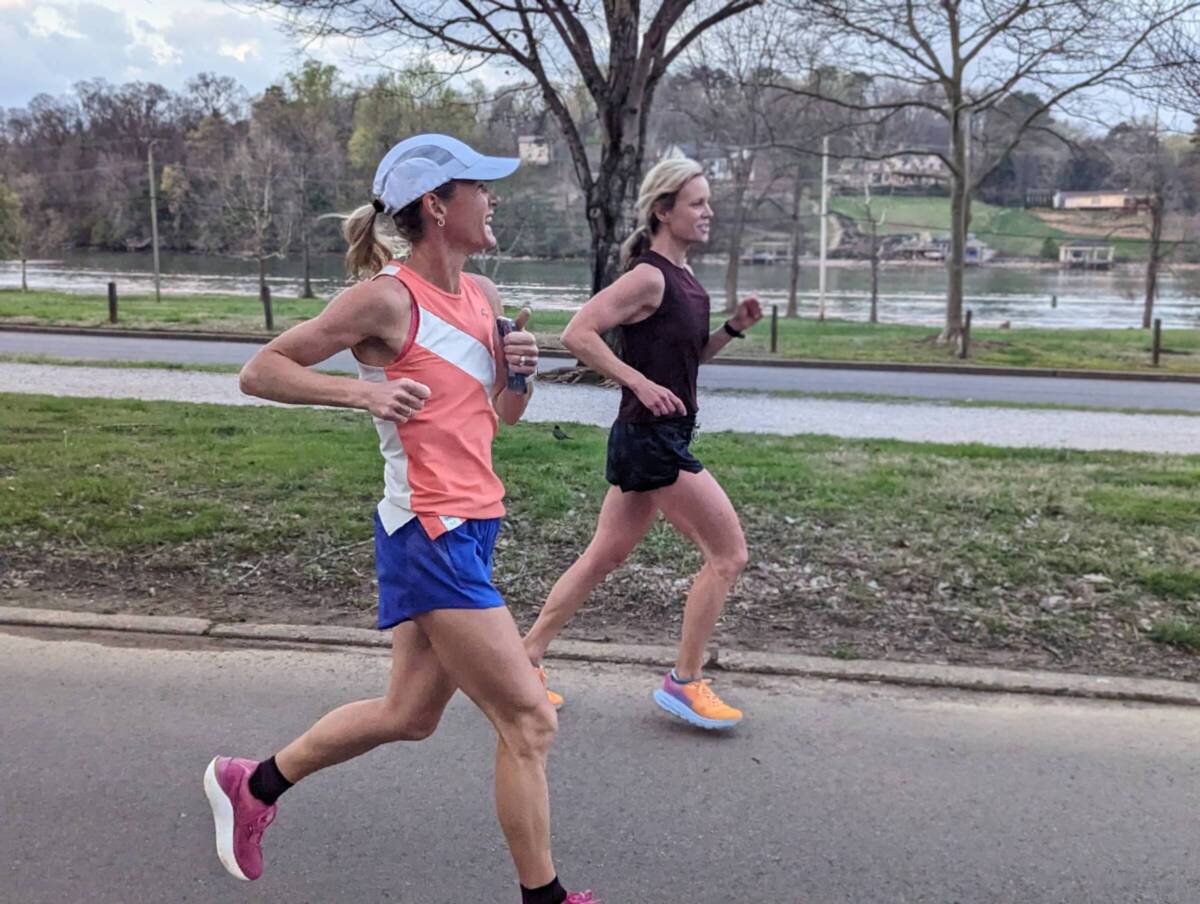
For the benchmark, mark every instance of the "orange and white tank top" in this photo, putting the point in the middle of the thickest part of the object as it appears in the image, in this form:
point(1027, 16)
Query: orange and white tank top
point(438, 464)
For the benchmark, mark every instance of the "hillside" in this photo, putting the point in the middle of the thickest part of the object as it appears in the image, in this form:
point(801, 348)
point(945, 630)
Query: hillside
point(1013, 232)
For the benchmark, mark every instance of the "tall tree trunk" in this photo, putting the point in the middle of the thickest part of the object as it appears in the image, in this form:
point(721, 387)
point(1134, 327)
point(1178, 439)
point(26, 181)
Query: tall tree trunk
point(874, 317)
point(735, 239)
point(606, 210)
point(308, 289)
point(793, 305)
point(960, 207)
point(1152, 265)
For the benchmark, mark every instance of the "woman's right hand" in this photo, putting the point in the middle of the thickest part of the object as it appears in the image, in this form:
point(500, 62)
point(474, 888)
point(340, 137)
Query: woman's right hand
point(660, 400)
point(395, 400)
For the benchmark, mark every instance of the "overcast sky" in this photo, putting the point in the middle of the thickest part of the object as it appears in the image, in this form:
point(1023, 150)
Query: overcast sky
point(48, 45)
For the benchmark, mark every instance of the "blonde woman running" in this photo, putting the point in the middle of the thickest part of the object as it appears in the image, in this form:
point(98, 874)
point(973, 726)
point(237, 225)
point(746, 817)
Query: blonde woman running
point(663, 315)
point(433, 373)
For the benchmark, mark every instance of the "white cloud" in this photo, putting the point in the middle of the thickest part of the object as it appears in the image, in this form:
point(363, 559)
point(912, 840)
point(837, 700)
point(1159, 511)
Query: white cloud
point(151, 39)
point(49, 45)
point(240, 51)
point(49, 22)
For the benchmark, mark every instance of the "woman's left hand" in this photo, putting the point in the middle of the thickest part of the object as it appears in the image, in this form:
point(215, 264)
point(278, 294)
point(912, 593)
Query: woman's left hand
point(748, 313)
point(520, 348)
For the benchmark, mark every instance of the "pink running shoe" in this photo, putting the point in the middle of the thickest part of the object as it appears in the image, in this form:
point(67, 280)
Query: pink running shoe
point(240, 817)
point(582, 897)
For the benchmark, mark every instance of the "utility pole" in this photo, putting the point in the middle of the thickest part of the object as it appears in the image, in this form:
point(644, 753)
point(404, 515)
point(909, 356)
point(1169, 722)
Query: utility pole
point(154, 219)
point(966, 212)
point(824, 226)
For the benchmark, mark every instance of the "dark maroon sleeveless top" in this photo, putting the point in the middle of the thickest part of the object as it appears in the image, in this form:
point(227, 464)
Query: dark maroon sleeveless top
point(667, 345)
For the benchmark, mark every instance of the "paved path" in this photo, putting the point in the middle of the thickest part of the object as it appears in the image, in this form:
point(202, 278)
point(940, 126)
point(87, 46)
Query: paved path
point(719, 411)
point(1029, 390)
point(829, 793)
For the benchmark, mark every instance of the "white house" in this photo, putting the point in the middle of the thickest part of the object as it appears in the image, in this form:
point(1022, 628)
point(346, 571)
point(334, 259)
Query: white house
point(533, 150)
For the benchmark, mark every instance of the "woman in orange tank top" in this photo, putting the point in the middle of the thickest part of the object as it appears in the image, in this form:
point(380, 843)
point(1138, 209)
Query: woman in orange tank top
point(433, 374)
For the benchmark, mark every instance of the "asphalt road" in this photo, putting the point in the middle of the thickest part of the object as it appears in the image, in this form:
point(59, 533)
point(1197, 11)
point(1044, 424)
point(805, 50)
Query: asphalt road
point(828, 793)
point(1029, 390)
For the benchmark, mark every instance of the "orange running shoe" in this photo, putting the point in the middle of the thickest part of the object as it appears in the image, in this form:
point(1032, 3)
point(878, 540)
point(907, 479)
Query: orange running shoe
point(556, 700)
point(696, 703)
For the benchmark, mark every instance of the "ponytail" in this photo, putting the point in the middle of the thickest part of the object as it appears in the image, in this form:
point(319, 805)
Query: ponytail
point(367, 254)
point(635, 246)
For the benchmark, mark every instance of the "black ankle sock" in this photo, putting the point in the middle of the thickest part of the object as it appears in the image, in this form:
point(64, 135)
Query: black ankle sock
point(553, 893)
point(267, 782)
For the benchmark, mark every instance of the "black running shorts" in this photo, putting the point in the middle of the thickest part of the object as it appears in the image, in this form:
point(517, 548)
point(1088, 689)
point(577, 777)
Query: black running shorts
point(644, 457)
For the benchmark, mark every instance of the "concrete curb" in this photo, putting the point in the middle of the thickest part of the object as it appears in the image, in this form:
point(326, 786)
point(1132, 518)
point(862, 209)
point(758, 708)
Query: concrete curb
point(907, 674)
point(559, 354)
point(139, 624)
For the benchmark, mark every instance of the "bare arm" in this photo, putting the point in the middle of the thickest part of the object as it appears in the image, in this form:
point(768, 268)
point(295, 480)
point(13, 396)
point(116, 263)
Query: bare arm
point(517, 346)
point(631, 299)
point(370, 310)
point(749, 312)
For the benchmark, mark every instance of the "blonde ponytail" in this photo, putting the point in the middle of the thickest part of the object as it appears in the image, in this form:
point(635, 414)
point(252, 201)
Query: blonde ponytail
point(367, 254)
point(635, 246)
point(657, 195)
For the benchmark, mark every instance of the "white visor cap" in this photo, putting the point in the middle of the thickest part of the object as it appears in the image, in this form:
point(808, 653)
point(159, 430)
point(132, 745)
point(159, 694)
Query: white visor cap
point(422, 163)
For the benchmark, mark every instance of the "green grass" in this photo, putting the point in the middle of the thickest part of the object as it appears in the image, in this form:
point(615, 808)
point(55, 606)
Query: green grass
point(842, 340)
point(121, 365)
point(858, 546)
point(1172, 583)
point(830, 340)
point(1010, 231)
point(1177, 633)
point(225, 313)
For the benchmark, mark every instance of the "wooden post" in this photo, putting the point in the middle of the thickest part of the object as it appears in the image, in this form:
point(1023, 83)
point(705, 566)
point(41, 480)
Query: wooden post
point(112, 302)
point(774, 328)
point(964, 341)
point(264, 295)
point(1156, 350)
point(1054, 301)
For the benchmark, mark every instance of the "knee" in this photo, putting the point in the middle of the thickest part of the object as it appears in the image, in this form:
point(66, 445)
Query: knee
point(729, 565)
point(531, 731)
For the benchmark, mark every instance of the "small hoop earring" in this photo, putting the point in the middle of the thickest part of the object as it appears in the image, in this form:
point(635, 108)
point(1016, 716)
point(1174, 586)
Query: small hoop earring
point(441, 221)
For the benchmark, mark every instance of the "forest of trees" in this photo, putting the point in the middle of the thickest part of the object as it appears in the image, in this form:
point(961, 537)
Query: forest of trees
point(267, 175)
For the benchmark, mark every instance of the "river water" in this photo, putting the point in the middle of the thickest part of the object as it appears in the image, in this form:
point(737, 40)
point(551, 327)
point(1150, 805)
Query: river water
point(908, 293)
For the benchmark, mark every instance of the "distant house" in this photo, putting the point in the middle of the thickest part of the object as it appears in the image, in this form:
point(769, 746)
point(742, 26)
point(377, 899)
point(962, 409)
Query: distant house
point(1086, 256)
point(903, 171)
point(717, 162)
point(937, 248)
point(767, 251)
point(1101, 199)
point(533, 150)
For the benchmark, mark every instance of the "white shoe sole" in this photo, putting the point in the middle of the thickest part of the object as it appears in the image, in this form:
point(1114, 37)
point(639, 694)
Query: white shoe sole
point(680, 711)
point(222, 810)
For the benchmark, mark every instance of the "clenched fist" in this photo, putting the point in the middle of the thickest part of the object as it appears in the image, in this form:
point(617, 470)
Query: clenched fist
point(396, 400)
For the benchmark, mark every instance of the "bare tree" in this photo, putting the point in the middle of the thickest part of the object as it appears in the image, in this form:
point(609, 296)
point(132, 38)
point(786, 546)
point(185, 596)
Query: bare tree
point(11, 227)
point(732, 112)
point(620, 50)
point(874, 221)
point(262, 217)
point(960, 58)
point(1149, 169)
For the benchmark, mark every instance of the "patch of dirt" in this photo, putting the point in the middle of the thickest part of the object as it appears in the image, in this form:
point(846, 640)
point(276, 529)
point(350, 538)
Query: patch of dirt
point(861, 606)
